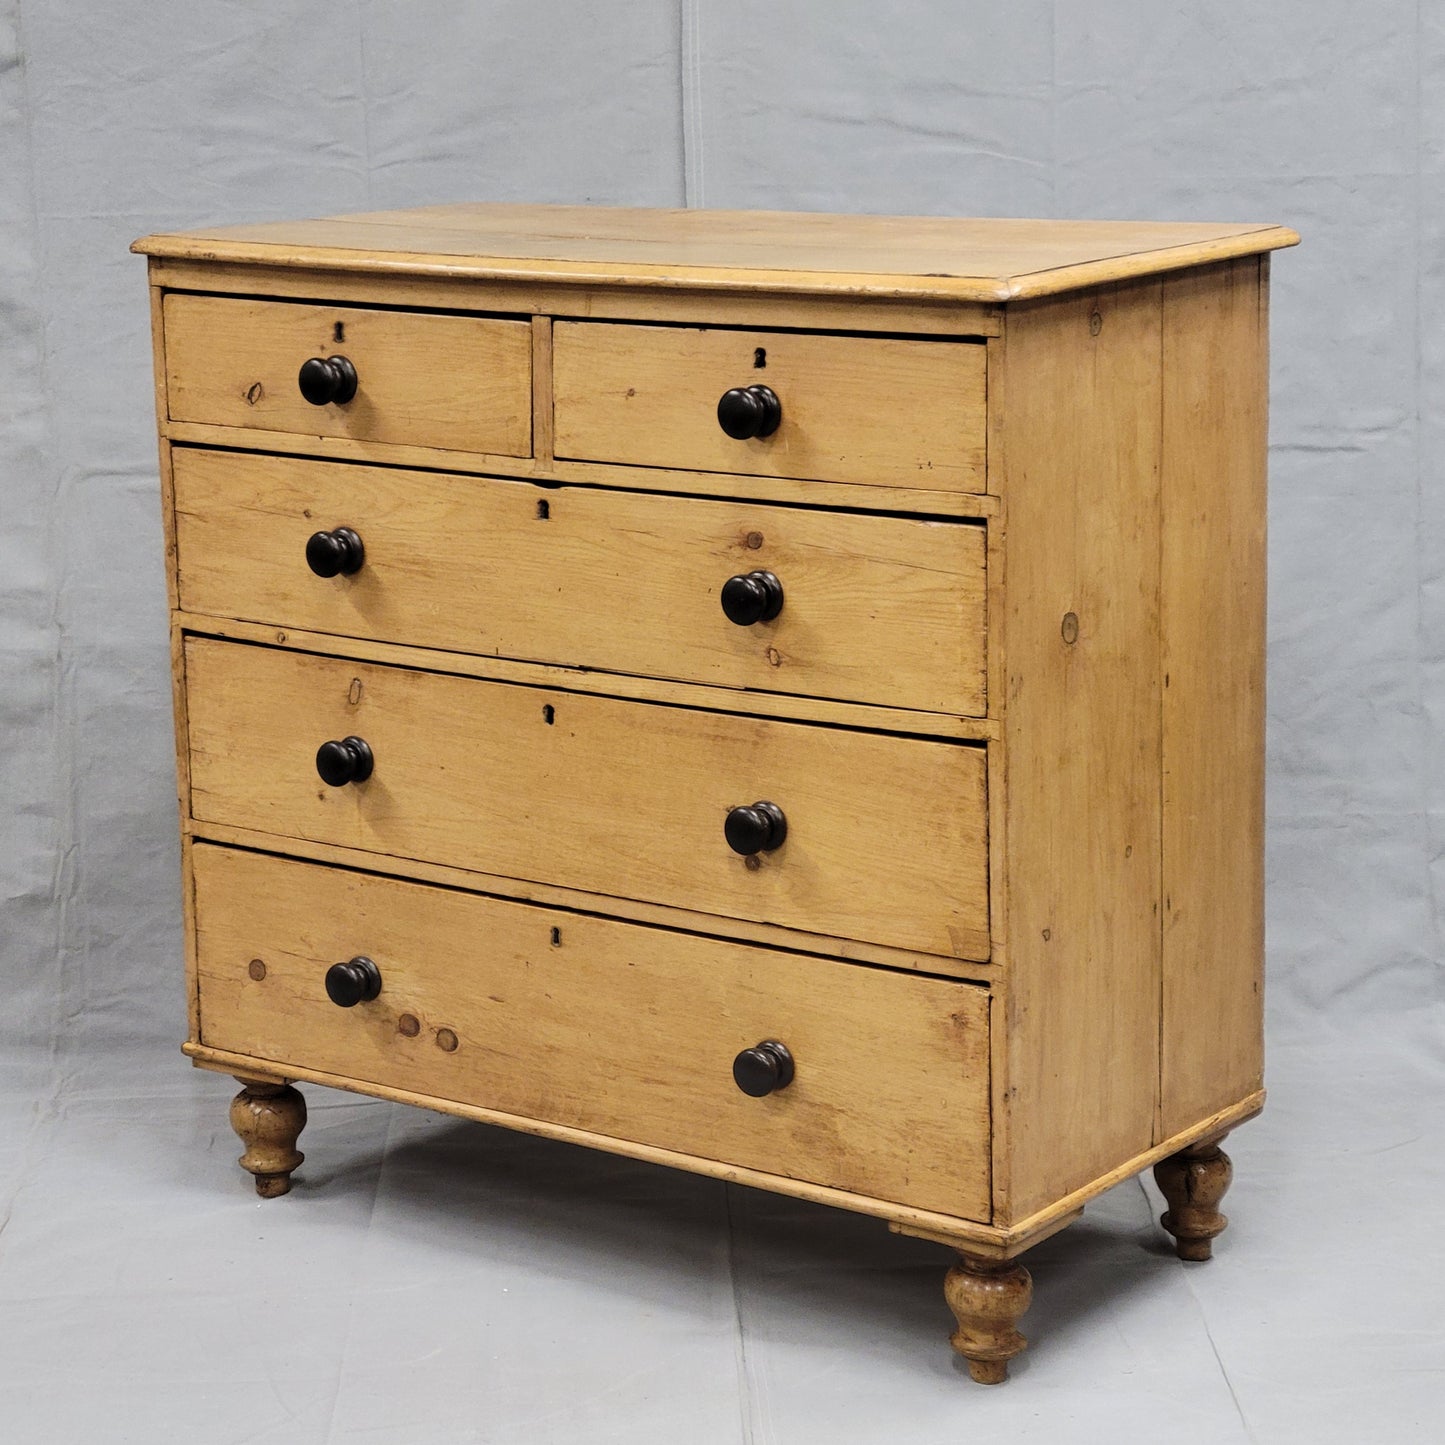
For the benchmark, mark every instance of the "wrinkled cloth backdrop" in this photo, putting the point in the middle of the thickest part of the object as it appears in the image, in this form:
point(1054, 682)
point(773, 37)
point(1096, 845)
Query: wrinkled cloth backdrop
point(435, 1280)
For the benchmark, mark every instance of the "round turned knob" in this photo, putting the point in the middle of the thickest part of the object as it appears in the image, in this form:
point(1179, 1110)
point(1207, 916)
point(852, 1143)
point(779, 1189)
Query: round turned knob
point(752, 597)
point(758, 829)
point(749, 411)
point(349, 761)
point(326, 379)
point(358, 980)
point(339, 550)
point(762, 1069)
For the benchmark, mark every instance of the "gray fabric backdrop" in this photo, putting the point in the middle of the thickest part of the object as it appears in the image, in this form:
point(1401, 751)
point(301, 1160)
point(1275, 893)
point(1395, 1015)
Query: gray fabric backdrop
point(121, 118)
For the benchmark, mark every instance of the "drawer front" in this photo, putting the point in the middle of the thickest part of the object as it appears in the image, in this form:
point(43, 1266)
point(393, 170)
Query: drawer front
point(886, 836)
point(452, 382)
point(875, 609)
point(625, 1031)
point(854, 409)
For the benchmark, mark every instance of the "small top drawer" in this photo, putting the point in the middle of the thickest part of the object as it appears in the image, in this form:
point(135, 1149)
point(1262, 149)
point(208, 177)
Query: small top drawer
point(461, 383)
point(865, 409)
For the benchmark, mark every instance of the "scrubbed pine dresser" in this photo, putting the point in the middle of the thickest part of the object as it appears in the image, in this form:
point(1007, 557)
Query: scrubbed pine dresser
point(776, 695)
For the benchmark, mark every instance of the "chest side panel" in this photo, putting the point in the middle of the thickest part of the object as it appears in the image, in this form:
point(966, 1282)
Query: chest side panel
point(1216, 371)
point(1081, 737)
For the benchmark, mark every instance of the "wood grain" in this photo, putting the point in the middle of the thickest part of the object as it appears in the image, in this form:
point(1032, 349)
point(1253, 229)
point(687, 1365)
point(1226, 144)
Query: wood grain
point(631, 910)
point(988, 1297)
point(542, 447)
point(1193, 1182)
point(167, 496)
point(786, 252)
point(887, 836)
point(177, 662)
point(877, 609)
point(1216, 373)
point(183, 798)
point(648, 396)
point(1024, 1233)
point(607, 684)
point(785, 490)
point(600, 1026)
point(1081, 739)
point(480, 291)
point(449, 382)
point(269, 1118)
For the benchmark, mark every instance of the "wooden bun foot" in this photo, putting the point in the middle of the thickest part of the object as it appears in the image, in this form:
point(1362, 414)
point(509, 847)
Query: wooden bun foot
point(269, 1118)
point(1193, 1182)
point(988, 1298)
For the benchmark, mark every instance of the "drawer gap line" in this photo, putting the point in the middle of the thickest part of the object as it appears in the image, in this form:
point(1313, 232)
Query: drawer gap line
point(602, 914)
point(549, 481)
point(858, 728)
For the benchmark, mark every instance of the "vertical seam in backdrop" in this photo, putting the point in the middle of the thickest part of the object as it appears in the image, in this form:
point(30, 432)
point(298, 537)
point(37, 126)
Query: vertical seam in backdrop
point(365, 99)
point(690, 64)
point(1428, 834)
point(61, 695)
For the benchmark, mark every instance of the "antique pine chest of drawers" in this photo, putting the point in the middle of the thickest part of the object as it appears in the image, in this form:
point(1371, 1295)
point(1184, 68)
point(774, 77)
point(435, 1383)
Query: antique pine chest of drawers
point(775, 695)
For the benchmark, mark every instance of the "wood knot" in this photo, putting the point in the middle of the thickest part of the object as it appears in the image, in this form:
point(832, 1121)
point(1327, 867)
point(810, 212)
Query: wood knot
point(1069, 628)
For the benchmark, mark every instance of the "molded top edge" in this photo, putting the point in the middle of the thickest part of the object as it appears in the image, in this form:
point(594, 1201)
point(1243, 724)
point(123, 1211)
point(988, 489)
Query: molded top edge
point(989, 259)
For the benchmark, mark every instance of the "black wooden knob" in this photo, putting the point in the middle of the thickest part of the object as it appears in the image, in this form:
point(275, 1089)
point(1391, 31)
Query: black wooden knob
point(339, 550)
point(358, 980)
point(761, 1069)
point(749, 411)
point(349, 761)
point(752, 597)
point(326, 379)
point(758, 829)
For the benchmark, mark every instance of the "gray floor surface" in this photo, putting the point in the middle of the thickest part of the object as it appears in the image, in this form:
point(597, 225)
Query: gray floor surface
point(430, 1280)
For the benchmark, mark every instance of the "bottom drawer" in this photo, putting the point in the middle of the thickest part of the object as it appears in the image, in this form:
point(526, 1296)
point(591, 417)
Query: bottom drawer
point(619, 1029)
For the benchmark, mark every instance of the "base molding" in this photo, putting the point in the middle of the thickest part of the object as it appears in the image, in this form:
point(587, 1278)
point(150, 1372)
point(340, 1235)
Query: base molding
point(1007, 1243)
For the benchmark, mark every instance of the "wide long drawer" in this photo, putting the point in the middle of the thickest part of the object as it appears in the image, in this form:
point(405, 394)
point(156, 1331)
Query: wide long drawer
point(421, 378)
point(872, 609)
point(623, 1031)
point(885, 836)
point(881, 411)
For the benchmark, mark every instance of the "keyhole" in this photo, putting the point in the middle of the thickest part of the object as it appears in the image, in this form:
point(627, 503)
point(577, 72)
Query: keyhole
point(760, 358)
point(338, 332)
point(549, 714)
point(544, 510)
point(556, 938)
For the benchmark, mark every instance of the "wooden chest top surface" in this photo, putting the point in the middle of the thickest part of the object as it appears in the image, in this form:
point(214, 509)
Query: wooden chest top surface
point(988, 259)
